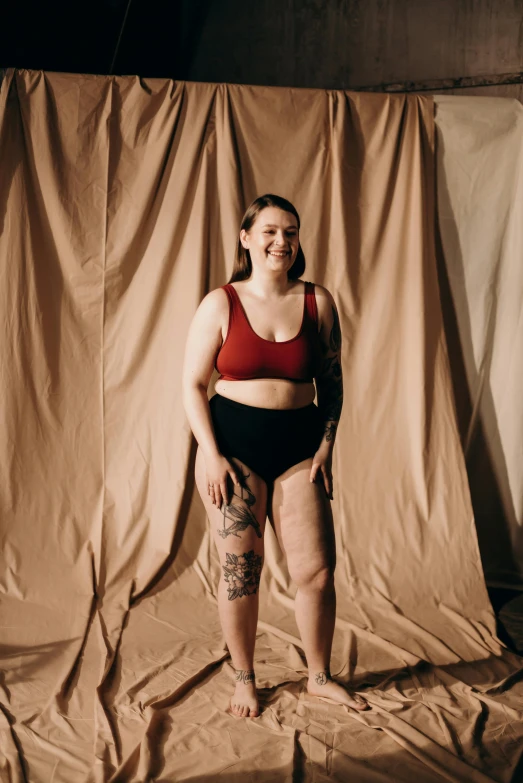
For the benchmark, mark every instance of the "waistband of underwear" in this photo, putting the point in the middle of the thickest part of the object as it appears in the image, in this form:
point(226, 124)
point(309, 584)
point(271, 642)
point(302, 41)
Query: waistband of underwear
point(269, 411)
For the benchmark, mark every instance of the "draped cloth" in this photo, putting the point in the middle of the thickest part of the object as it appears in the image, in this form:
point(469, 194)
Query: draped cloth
point(480, 203)
point(121, 200)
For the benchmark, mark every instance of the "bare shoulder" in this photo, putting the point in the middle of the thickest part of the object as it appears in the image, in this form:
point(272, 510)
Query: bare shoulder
point(214, 302)
point(325, 304)
point(213, 308)
point(323, 294)
point(211, 318)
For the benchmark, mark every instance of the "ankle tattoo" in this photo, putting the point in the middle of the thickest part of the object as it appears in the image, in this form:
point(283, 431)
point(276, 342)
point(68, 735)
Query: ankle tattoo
point(244, 675)
point(320, 678)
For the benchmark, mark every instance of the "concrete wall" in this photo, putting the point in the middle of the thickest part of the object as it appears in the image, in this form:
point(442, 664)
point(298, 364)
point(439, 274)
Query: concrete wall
point(341, 44)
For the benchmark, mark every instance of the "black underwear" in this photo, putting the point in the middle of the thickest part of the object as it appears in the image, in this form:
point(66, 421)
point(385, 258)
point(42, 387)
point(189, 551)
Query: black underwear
point(267, 441)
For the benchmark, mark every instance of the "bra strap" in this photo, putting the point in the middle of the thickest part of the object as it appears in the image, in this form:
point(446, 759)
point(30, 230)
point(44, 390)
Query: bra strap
point(231, 294)
point(310, 303)
point(229, 290)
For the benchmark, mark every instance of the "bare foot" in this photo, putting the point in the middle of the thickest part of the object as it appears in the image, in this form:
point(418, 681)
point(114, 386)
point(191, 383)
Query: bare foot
point(244, 702)
point(320, 684)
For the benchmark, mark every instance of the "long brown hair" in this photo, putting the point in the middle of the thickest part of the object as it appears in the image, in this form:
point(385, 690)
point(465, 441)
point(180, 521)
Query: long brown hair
point(242, 268)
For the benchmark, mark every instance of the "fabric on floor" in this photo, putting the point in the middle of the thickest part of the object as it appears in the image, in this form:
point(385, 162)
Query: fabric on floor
point(122, 199)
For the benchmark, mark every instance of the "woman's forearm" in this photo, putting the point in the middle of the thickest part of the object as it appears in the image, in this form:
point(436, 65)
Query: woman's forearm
point(330, 402)
point(198, 413)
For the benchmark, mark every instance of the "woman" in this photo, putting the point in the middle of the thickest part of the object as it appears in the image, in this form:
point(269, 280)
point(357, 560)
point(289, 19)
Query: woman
point(265, 448)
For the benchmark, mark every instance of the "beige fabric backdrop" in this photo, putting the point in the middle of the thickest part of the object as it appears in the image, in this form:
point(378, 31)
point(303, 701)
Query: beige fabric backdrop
point(121, 199)
point(480, 208)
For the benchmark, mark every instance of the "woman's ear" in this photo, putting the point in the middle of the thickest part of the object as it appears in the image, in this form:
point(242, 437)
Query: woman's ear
point(244, 238)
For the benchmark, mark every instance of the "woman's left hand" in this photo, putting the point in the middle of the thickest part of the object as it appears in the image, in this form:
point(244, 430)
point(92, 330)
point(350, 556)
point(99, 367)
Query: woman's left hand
point(322, 468)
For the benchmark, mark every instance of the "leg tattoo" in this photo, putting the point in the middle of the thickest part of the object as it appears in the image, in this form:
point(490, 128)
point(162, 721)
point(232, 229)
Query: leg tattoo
point(320, 678)
point(244, 675)
point(242, 574)
point(241, 516)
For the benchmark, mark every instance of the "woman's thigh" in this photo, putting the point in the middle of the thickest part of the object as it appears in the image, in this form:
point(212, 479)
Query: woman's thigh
point(301, 515)
point(237, 527)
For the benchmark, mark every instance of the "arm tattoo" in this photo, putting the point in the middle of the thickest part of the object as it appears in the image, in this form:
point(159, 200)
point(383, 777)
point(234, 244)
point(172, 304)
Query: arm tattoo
point(240, 516)
point(330, 431)
point(242, 573)
point(244, 675)
point(330, 382)
point(335, 335)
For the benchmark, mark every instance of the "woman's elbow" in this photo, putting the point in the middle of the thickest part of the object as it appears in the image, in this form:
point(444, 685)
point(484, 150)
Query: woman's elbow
point(192, 388)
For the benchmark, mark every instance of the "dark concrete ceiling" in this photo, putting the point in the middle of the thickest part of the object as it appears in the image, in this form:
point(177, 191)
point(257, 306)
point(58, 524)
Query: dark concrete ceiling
point(158, 37)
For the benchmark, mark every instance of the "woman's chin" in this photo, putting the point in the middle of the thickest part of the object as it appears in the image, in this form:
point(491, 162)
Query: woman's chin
point(280, 263)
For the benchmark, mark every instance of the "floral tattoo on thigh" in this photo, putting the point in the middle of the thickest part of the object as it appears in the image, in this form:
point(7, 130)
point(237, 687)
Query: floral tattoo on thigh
point(242, 573)
point(237, 517)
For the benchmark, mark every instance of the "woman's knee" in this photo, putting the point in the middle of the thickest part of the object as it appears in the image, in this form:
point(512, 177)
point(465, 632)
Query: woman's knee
point(317, 578)
point(242, 571)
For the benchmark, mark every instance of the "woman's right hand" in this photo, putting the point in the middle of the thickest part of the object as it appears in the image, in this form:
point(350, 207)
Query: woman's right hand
point(217, 468)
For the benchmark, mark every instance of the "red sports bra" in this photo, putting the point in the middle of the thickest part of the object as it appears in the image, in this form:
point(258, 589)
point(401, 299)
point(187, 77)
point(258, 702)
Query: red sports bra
point(245, 355)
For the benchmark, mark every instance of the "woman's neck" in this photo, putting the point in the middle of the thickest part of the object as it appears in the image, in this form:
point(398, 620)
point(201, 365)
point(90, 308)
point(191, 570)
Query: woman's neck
point(269, 287)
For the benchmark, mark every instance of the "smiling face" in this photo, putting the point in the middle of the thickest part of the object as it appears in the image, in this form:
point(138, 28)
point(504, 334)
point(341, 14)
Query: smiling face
point(272, 241)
